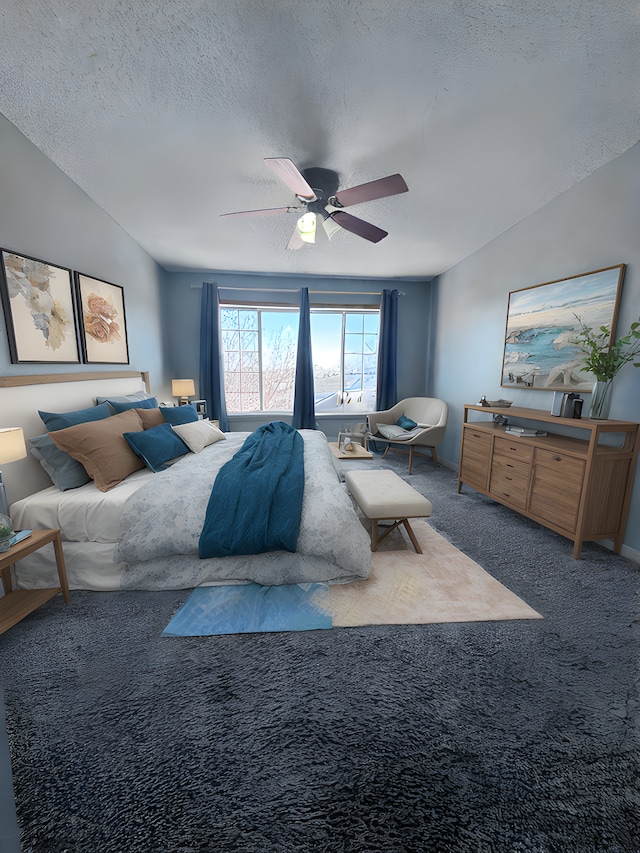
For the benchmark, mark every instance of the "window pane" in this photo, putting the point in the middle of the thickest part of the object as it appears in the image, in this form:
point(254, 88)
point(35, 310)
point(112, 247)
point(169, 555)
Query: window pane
point(250, 362)
point(231, 361)
point(370, 344)
point(228, 318)
point(248, 319)
point(353, 343)
point(326, 345)
point(230, 340)
point(372, 323)
point(249, 341)
point(353, 323)
point(279, 346)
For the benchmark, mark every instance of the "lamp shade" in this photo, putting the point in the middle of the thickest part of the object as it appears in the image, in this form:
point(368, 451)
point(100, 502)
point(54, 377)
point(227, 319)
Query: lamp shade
point(183, 387)
point(12, 446)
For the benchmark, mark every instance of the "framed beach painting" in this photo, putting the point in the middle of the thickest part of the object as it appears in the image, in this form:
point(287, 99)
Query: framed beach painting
point(103, 321)
point(39, 309)
point(543, 321)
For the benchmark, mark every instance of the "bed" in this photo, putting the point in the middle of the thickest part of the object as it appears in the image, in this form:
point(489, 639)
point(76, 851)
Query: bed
point(143, 532)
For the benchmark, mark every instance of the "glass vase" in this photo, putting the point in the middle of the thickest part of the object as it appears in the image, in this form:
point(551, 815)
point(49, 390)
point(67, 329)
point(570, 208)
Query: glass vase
point(601, 399)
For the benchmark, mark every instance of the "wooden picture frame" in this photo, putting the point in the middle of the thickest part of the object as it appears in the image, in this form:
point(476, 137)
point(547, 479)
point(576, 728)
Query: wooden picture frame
point(102, 321)
point(39, 305)
point(542, 323)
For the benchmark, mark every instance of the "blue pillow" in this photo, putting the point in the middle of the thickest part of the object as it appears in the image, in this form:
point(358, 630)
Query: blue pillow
point(65, 472)
point(156, 446)
point(176, 415)
point(123, 406)
point(61, 420)
point(405, 422)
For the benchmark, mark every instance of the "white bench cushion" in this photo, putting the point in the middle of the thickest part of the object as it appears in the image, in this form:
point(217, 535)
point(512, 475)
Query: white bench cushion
point(383, 494)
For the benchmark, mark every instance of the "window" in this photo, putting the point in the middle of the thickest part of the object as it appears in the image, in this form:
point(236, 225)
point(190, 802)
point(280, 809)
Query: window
point(345, 359)
point(260, 346)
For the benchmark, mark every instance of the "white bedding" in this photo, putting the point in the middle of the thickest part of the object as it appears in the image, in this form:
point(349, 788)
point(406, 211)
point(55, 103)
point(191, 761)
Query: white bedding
point(83, 515)
point(89, 521)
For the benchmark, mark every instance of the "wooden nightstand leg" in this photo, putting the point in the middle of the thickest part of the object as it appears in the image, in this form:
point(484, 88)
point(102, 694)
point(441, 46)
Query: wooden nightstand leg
point(7, 585)
point(62, 569)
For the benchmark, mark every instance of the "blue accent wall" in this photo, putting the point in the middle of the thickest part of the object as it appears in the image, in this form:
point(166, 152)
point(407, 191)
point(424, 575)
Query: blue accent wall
point(45, 215)
point(181, 313)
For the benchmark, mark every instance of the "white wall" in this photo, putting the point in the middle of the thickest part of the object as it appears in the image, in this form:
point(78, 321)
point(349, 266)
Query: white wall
point(593, 225)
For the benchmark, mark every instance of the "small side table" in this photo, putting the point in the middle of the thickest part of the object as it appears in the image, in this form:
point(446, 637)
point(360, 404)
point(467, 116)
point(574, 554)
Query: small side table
point(18, 603)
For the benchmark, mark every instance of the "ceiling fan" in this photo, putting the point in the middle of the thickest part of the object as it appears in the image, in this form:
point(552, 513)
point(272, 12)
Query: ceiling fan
point(317, 191)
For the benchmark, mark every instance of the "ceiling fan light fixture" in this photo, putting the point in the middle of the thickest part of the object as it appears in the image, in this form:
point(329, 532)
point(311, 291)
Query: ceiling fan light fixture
point(307, 227)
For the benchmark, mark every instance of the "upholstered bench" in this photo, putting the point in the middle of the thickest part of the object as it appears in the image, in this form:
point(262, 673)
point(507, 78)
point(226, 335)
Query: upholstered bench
point(382, 495)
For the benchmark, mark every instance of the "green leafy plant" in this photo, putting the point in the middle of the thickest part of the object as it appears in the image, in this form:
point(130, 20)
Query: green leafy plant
point(602, 357)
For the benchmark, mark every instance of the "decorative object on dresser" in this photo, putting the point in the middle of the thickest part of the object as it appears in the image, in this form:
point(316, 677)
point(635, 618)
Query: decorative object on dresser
point(540, 349)
point(38, 303)
point(183, 388)
point(604, 358)
point(579, 487)
point(12, 448)
point(16, 604)
point(103, 321)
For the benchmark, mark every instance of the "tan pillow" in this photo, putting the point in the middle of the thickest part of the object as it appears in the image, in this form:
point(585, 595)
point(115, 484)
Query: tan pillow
point(150, 417)
point(101, 447)
point(199, 434)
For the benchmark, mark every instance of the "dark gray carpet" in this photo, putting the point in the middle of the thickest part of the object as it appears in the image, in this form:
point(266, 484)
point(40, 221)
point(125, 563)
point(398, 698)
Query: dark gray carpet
point(483, 737)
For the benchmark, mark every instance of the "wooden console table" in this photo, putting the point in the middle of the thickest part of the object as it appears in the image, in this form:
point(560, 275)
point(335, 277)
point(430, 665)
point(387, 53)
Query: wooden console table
point(18, 603)
point(579, 487)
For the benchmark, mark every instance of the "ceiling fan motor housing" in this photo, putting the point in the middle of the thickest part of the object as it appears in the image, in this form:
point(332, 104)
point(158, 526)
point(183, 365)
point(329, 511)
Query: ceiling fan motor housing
point(324, 183)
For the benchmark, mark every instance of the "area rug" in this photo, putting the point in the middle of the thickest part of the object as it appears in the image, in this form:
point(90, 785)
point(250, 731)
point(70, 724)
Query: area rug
point(440, 585)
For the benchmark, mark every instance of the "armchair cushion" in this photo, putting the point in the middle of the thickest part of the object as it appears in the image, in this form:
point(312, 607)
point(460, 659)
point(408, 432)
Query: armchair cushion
point(397, 433)
point(406, 423)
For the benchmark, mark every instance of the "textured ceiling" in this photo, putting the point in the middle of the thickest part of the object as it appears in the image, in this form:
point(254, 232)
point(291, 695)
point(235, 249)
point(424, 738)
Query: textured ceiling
point(163, 110)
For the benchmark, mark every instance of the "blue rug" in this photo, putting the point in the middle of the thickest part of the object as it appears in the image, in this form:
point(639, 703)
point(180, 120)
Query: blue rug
point(251, 608)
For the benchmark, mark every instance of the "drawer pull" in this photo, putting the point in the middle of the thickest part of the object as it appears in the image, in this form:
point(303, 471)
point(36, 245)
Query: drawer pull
point(557, 458)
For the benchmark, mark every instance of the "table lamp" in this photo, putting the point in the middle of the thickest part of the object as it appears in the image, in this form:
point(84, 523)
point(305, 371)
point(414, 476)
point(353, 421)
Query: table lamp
point(183, 388)
point(12, 448)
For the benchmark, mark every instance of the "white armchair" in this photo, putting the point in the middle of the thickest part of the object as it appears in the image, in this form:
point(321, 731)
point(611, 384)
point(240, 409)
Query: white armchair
point(428, 412)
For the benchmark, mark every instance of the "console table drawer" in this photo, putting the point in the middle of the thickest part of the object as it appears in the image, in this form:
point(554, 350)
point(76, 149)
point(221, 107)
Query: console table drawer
point(513, 448)
point(566, 468)
point(510, 480)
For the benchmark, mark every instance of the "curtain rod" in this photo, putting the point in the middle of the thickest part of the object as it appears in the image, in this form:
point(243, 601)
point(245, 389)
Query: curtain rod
point(296, 289)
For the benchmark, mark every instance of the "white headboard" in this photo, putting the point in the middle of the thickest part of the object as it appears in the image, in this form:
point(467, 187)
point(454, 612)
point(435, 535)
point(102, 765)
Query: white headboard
point(22, 396)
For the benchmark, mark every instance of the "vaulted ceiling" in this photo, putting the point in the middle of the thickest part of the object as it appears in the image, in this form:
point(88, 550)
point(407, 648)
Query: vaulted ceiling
point(163, 110)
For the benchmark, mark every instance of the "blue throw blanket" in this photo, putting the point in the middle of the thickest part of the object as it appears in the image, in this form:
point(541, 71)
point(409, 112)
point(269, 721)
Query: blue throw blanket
point(256, 500)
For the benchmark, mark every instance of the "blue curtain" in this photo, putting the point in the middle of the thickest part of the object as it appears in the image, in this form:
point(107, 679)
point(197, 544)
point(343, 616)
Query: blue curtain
point(304, 410)
point(211, 364)
point(387, 390)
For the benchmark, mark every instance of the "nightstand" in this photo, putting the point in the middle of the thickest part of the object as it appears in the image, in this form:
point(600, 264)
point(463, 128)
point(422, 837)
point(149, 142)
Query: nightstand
point(18, 603)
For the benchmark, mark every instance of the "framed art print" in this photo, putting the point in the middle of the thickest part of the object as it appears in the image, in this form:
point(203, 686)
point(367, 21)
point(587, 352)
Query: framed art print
point(39, 308)
point(543, 322)
point(103, 321)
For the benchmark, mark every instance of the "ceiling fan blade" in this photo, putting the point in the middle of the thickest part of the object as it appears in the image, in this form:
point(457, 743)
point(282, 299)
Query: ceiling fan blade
point(359, 226)
point(392, 185)
point(288, 172)
point(296, 241)
point(267, 211)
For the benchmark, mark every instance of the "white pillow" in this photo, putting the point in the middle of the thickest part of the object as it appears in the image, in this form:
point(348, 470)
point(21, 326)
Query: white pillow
point(199, 434)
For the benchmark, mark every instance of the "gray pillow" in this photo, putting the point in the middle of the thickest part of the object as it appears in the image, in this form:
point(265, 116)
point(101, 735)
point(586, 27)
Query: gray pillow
point(124, 398)
point(63, 470)
point(395, 433)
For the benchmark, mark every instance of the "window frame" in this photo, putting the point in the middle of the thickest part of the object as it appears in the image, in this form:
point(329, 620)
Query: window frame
point(277, 307)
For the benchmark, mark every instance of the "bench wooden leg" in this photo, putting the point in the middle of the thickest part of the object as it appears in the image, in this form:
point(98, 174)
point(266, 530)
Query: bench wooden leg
point(376, 538)
point(412, 536)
